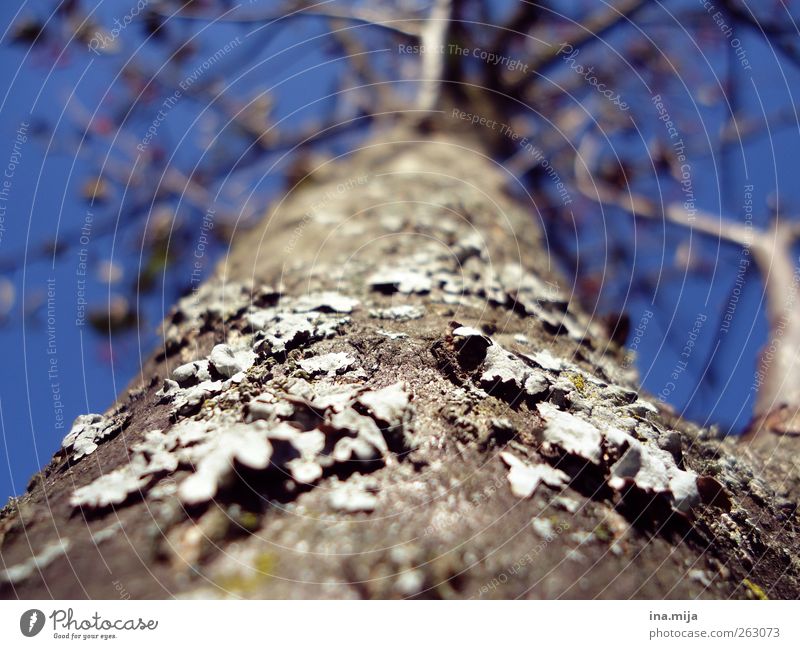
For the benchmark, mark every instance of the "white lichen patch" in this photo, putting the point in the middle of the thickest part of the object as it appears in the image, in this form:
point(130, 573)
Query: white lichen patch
point(653, 470)
point(107, 533)
point(214, 301)
point(267, 406)
point(281, 331)
point(190, 399)
point(469, 332)
point(545, 359)
point(163, 489)
point(570, 433)
point(642, 462)
point(543, 527)
point(584, 415)
point(391, 335)
point(275, 439)
point(326, 301)
point(501, 372)
point(354, 448)
point(228, 360)
point(504, 368)
point(194, 371)
point(567, 504)
point(323, 395)
point(109, 489)
point(410, 582)
point(396, 280)
point(215, 459)
point(524, 478)
point(545, 301)
point(328, 364)
point(304, 471)
point(90, 430)
point(365, 429)
point(21, 571)
point(308, 444)
point(399, 313)
point(351, 499)
point(528, 286)
point(389, 405)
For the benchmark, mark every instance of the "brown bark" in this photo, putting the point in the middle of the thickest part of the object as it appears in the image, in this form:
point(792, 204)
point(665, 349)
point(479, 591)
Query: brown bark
point(427, 505)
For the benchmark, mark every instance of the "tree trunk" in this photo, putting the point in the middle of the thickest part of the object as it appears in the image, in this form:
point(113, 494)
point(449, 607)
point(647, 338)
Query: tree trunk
point(405, 403)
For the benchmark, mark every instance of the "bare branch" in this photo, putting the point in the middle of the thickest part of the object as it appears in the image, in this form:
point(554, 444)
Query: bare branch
point(362, 66)
point(777, 380)
point(639, 206)
point(434, 38)
point(593, 27)
point(409, 27)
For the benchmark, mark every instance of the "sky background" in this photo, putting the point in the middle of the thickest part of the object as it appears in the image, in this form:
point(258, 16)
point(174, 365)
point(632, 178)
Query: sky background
point(44, 93)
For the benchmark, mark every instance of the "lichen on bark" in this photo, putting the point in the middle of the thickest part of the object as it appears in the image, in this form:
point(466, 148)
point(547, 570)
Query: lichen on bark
point(392, 395)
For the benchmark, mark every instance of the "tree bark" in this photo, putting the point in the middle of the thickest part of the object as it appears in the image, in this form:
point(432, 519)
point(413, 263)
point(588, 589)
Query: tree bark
point(406, 404)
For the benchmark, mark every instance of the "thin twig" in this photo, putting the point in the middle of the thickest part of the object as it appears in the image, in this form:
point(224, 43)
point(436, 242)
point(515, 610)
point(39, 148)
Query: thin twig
point(593, 27)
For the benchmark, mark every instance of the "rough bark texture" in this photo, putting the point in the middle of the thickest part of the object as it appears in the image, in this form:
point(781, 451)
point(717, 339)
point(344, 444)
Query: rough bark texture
point(408, 404)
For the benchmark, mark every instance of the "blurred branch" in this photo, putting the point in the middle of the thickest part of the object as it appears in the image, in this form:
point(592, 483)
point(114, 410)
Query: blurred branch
point(642, 207)
point(325, 9)
point(778, 402)
point(593, 27)
point(772, 34)
point(362, 65)
point(434, 41)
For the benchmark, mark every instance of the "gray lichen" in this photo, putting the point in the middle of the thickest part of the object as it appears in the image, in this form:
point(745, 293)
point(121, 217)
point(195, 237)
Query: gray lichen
point(570, 433)
point(193, 371)
point(268, 432)
point(584, 417)
point(399, 313)
point(392, 335)
point(324, 301)
point(389, 405)
point(46, 556)
point(215, 457)
point(391, 280)
point(503, 369)
point(229, 361)
point(653, 470)
point(327, 432)
point(347, 498)
point(90, 430)
point(328, 364)
point(109, 489)
point(524, 478)
point(280, 331)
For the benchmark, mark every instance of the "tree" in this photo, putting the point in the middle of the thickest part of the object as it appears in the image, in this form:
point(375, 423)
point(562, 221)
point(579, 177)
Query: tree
point(387, 391)
point(650, 101)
